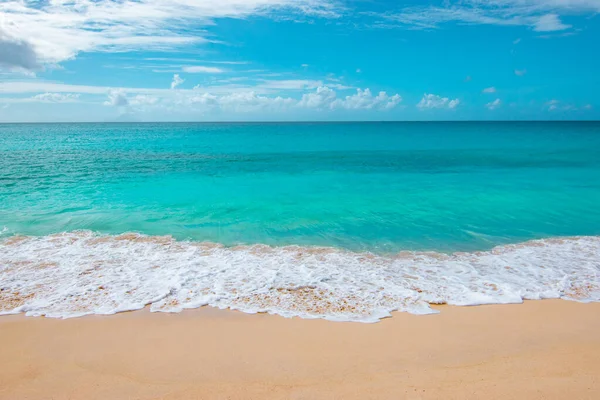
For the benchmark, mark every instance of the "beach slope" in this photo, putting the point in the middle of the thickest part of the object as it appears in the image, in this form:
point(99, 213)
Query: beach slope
point(537, 350)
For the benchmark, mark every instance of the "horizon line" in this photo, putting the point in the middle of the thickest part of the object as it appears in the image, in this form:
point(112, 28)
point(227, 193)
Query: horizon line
point(301, 121)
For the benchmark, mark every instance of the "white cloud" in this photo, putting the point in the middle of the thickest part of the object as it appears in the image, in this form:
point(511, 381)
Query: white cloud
point(587, 107)
point(206, 99)
point(364, 100)
point(489, 90)
point(322, 98)
point(539, 15)
point(199, 69)
point(494, 104)
point(453, 103)
point(326, 98)
point(252, 102)
point(56, 97)
point(177, 80)
point(358, 70)
point(549, 23)
point(517, 41)
point(520, 72)
point(57, 30)
point(117, 98)
point(435, 101)
point(228, 98)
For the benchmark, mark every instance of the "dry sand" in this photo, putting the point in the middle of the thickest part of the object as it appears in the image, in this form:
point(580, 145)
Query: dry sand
point(538, 350)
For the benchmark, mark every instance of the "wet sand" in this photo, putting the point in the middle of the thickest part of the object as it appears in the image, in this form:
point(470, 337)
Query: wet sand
point(537, 350)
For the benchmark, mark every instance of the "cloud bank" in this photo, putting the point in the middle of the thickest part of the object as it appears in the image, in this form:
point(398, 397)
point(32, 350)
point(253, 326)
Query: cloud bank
point(321, 99)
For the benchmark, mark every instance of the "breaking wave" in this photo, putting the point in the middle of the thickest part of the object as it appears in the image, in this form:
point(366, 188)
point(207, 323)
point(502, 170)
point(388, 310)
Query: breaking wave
point(77, 273)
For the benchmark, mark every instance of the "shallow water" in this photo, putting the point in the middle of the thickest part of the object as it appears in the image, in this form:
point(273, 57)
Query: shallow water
point(367, 192)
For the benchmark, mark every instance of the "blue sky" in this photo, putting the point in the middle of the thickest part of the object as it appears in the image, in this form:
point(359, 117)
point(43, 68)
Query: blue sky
point(220, 60)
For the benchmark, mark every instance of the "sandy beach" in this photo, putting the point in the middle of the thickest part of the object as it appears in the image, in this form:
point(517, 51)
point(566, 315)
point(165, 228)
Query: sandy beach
point(537, 350)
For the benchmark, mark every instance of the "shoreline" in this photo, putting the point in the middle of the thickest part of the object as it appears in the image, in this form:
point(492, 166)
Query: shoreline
point(545, 349)
point(78, 273)
point(164, 238)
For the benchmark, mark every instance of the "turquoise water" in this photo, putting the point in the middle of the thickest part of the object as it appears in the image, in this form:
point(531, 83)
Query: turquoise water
point(339, 202)
point(381, 187)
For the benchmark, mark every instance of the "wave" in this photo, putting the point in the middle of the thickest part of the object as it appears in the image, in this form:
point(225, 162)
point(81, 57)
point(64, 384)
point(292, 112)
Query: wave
point(78, 273)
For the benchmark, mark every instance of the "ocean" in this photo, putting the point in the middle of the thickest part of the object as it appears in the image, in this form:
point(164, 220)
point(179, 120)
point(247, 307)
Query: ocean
point(343, 221)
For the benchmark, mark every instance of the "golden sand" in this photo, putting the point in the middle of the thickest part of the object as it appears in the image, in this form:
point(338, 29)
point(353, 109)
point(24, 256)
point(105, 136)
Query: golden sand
point(538, 350)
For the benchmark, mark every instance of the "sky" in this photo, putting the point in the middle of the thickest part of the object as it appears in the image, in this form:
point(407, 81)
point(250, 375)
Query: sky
point(293, 60)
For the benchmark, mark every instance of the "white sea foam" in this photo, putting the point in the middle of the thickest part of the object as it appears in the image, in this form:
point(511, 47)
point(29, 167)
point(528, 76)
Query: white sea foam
point(77, 273)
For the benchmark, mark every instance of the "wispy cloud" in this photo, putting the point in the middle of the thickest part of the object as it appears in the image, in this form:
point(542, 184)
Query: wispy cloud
point(37, 86)
point(520, 72)
point(201, 69)
point(489, 90)
point(291, 84)
point(41, 32)
point(44, 98)
point(57, 97)
point(557, 105)
point(549, 23)
point(494, 104)
point(193, 60)
point(552, 104)
point(257, 85)
point(539, 15)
